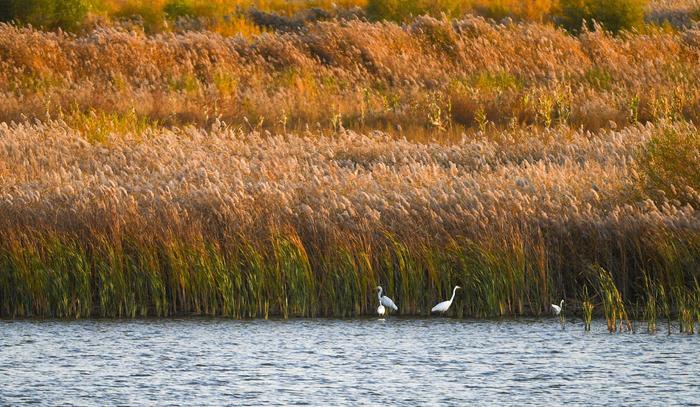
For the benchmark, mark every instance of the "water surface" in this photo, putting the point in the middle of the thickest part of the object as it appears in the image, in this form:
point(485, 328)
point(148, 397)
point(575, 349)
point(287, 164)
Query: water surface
point(341, 362)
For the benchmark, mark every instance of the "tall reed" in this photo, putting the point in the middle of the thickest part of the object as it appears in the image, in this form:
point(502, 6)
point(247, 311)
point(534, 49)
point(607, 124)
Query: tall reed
point(587, 309)
point(613, 306)
point(220, 221)
point(650, 303)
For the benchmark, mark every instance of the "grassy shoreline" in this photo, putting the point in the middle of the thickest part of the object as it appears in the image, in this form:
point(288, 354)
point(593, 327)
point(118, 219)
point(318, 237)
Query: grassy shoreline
point(288, 174)
point(60, 278)
point(223, 222)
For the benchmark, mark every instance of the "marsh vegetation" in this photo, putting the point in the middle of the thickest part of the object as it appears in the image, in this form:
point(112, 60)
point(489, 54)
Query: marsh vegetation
point(290, 173)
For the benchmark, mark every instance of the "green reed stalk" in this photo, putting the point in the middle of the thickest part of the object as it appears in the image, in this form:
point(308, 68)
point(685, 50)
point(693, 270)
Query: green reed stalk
point(665, 306)
point(587, 309)
point(281, 274)
point(650, 303)
point(697, 303)
point(684, 305)
point(613, 305)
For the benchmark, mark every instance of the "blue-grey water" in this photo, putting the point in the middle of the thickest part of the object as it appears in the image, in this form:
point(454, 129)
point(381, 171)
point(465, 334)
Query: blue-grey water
point(342, 362)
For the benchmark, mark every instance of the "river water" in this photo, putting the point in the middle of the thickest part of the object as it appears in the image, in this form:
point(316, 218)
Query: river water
point(342, 362)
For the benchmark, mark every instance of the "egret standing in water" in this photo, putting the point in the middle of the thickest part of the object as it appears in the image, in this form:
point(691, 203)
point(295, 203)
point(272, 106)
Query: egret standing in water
point(557, 308)
point(381, 310)
point(384, 301)
point(445, 305)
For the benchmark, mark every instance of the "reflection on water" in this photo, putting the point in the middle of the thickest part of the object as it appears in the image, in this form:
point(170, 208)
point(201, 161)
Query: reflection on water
point(342, 362)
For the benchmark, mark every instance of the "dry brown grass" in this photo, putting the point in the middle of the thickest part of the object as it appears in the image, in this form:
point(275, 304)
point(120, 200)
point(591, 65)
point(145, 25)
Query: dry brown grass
point(675, 12)
point(453, 77)
point(529, 210)
point(290, 173)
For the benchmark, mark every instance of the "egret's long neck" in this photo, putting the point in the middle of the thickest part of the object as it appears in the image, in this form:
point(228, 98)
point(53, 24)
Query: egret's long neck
point(379, 293)
point(453, 294)
point(561, 304)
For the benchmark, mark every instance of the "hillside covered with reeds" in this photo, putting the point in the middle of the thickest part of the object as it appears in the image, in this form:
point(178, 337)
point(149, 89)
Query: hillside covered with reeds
point(290, 173)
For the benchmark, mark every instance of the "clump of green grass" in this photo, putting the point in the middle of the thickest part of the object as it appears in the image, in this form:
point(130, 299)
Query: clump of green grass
point(189, 8)
point(614, 15)
point(665, 306)
point(402, 11)
point(613, 306)
point(48, 14)
point(98, 126)
point(650, 303)
point(670, 172)
point(587, 309)
point(405, 10)
point(686, 319)
point(149, 14)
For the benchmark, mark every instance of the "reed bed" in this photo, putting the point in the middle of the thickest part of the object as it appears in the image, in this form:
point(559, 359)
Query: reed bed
point(221, 221)
point(674, 12)
point(290, 173)
point(429, 79)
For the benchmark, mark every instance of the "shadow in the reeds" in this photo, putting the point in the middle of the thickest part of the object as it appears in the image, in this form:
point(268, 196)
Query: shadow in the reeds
point(65, 277)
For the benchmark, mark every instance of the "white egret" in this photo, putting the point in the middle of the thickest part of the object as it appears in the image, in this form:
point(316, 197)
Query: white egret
point(384, 301)
point(445, 305)
point(557, 308)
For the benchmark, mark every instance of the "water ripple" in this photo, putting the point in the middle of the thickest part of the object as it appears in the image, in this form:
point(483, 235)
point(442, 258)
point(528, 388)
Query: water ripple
point(341, 362)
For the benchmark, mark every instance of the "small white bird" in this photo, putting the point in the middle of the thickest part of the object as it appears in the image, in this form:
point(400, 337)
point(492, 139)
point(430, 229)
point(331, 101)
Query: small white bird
point(445, 305)
point(557, 308)
point(384, 301)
